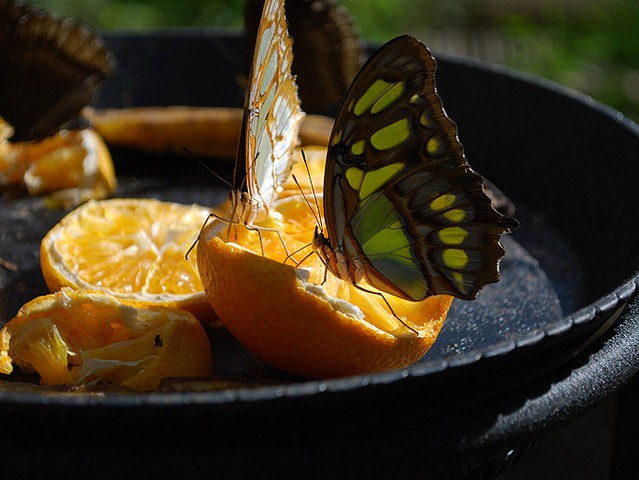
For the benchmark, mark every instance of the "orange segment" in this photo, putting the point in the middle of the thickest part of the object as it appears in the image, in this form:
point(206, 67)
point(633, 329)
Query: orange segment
point(77, 337)
point(72, 167)
point(133, 249)
point(283, 315)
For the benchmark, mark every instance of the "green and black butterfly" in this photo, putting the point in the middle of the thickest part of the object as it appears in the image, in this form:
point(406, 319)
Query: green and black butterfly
point(403, 209)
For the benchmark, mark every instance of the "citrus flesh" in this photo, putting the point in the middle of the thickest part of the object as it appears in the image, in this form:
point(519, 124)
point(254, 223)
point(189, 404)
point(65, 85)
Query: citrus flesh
point(133, 249)
point(79, 337)
point(293, 319)
point(70, 167)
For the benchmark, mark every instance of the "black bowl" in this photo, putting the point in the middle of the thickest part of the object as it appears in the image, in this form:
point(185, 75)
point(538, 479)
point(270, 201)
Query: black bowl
point(554, 337)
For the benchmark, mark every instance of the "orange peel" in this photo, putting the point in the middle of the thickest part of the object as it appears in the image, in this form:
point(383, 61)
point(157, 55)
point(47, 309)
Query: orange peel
point(282, 313)
point(78, 337)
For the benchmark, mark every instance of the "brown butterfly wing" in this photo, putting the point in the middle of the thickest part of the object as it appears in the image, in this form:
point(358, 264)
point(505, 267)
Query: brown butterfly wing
point(49, 69)
point(328, 51)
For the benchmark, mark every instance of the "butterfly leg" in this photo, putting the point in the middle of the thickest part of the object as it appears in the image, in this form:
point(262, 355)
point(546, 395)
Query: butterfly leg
point(306, 257)
point(259, 230)
point(380, 294)
point(197, 239)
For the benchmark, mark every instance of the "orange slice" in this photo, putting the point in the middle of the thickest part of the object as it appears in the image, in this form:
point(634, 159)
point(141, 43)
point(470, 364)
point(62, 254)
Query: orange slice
point(205, 131)
point(133, 249)
point(76, 337)
point(290, 319)
point(70, 167)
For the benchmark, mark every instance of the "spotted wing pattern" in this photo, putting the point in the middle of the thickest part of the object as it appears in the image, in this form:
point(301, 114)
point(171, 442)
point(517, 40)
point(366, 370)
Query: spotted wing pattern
point(403, 208)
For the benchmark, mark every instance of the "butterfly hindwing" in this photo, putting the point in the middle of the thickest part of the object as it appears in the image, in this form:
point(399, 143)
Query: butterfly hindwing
point(401, 201)
point(50, 68)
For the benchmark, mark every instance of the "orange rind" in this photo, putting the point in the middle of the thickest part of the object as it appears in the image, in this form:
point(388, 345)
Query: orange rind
point(286, 316)
point(69, 168)
point(79, 338)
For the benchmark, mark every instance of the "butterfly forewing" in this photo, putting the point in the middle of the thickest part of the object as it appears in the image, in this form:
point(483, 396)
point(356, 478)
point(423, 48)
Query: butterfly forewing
point(271, 116)
point(401, 202)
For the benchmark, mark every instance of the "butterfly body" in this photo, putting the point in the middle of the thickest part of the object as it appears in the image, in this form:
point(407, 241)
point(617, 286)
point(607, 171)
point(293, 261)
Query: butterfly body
point(403, 208)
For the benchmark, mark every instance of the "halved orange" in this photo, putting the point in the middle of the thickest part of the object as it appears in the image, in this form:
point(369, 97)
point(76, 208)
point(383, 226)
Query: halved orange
point(133, 249)
point(292, 319)
point(79, 337)
point(71, 167)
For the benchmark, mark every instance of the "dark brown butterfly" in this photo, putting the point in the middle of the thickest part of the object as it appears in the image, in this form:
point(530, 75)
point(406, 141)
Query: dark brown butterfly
point(328, 51)
point(49, 69)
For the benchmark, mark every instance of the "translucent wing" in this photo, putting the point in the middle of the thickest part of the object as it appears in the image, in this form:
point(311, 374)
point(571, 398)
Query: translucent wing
point(49, 69)
point(271, 118)
point(403, 208)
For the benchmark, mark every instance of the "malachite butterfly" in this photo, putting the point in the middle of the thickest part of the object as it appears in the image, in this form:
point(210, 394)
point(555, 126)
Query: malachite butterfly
point(49, 69)
point(272, 114)
point(403, 209)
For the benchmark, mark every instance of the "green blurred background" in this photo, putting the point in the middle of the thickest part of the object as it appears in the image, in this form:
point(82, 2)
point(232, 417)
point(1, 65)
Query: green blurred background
point(589, 45)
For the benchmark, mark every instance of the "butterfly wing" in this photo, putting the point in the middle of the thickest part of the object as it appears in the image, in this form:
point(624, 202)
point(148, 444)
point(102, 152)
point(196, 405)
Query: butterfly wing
point(49, 69)
point(271, 116)
point(327, 47)
point(401, 201)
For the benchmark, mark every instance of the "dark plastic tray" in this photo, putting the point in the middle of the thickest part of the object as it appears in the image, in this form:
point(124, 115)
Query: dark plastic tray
point(533, 351)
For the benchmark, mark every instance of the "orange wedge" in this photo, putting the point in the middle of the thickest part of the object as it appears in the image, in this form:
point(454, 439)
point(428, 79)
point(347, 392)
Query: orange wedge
point(70, 167)
point(285, 315)
point(77, 337)
point(133, 249)
point(205, 131)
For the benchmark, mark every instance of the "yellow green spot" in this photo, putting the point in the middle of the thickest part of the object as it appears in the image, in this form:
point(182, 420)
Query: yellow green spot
point(424, 119)
point(358, 148)
point(432, 146)
point(455, 215)
point(336, 137)
point(375, 179)
point(370, 96)
point(459, 279)
point(354, 176)
point(443, 202)
point(453, 235)
point(391, 135)
point(388, 97)
point(455, 258)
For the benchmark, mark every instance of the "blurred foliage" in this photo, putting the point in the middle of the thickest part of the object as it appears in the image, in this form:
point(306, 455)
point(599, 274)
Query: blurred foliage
point(589, 45)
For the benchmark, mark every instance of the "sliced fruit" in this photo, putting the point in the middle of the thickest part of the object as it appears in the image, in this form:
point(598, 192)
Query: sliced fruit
point(70, 167)
point(291, 318)
point(133, 249)
point(206, 131)
point(79, 337)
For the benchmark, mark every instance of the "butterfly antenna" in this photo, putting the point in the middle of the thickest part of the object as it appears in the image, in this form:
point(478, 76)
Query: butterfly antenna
point(207, 168)
point(310, 207)
point(318, 217)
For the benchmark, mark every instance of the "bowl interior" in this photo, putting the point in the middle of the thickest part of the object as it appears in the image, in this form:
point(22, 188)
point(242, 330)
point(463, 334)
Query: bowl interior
point(568, 163)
